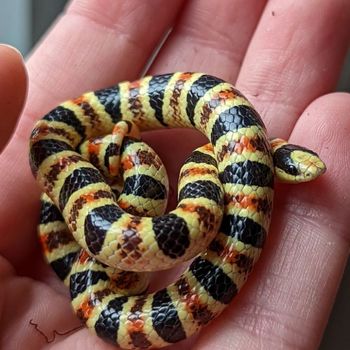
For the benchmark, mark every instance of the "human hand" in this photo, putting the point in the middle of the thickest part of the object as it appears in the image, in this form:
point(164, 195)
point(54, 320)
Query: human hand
point(293, 58)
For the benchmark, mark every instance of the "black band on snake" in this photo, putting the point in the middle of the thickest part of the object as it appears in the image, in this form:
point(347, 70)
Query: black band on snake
point(102, 222)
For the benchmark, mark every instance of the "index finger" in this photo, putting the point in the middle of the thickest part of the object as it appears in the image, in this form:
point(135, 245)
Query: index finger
point(93, 45)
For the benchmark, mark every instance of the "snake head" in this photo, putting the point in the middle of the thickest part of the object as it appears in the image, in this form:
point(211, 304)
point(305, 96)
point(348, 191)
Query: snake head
point(295, 164)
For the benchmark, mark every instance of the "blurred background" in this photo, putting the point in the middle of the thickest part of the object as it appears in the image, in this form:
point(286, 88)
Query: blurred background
point(23, 22)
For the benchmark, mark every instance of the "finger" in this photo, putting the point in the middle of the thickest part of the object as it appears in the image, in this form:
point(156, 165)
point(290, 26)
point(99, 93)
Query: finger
point(288, 299)
point(94, 44)
point(12, 90)
point(295, 56)
point(211, 37)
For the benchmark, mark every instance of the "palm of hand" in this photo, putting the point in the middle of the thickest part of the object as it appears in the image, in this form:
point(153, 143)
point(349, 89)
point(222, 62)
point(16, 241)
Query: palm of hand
point(287, 299)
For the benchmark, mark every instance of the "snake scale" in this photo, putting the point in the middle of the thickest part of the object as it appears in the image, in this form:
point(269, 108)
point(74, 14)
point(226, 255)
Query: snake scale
point(103, 227)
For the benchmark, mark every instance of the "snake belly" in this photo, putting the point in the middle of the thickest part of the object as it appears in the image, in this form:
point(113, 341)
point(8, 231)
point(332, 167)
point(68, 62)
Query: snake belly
point(245, 170)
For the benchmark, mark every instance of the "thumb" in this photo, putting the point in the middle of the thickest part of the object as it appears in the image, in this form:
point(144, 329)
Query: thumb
point(13, 87)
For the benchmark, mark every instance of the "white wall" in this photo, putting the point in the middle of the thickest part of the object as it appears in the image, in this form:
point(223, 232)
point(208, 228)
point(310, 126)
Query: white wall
point(16, 23)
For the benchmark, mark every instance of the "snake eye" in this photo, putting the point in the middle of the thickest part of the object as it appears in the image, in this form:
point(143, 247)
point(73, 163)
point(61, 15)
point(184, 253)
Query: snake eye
point(292, 169)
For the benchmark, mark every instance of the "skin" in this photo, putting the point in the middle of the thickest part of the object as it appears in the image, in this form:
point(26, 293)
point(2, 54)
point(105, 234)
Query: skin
point(286, 59)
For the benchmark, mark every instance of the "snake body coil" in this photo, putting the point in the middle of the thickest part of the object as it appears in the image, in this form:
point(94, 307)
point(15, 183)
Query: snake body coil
point(224, 210)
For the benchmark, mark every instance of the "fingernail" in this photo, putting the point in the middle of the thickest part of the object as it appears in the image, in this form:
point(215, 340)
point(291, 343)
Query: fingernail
point(12, 48)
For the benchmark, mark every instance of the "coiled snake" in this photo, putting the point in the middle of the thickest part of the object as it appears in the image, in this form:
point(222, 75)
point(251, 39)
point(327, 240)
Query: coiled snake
point(222, 218)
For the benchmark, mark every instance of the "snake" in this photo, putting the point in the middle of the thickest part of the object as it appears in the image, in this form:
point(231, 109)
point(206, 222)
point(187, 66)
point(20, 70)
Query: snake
point(103, 228)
